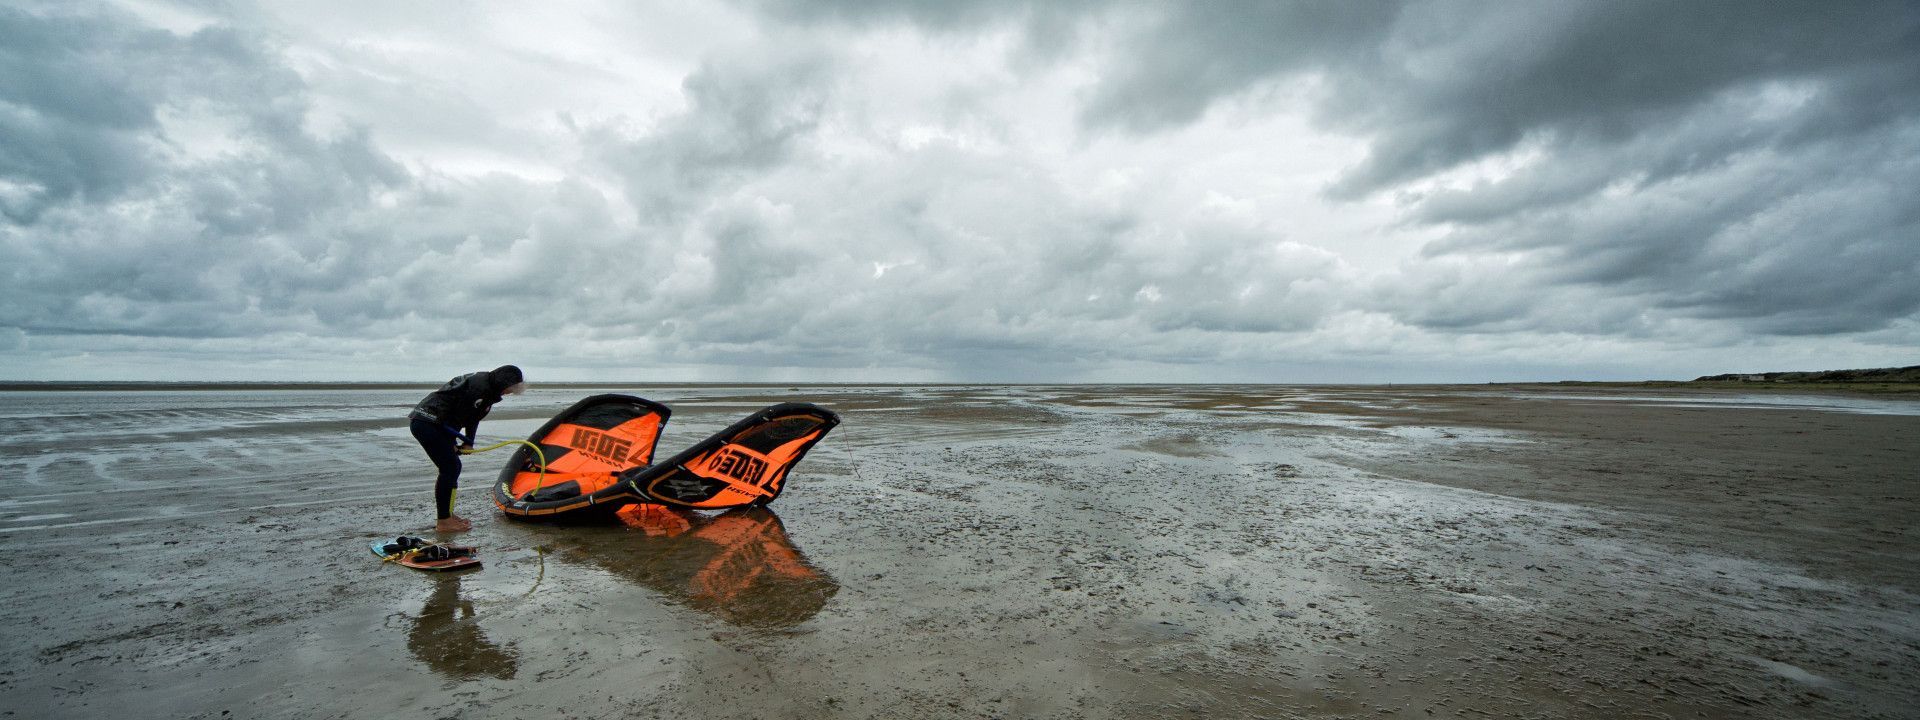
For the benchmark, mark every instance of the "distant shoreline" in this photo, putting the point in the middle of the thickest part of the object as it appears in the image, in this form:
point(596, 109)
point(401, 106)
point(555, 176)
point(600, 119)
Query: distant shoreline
point(1761, 386)
point(104, 385)
point(1715, 385)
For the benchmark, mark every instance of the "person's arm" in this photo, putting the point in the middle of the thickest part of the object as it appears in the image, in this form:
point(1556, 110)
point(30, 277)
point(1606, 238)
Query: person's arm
point(474, 391)
point(480, 410)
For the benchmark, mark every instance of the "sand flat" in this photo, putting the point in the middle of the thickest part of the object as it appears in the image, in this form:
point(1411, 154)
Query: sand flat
point(983, 551)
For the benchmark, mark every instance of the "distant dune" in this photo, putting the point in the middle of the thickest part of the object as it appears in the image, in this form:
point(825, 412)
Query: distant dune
point(1908, 374)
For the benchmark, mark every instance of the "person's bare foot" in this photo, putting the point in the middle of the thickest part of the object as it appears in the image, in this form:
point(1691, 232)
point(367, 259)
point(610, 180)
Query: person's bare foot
point(453, 523)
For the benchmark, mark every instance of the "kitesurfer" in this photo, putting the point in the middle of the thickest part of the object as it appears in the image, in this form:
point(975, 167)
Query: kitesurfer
point(452, 414)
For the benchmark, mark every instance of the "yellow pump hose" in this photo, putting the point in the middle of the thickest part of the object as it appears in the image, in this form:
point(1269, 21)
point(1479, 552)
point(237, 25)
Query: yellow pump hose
point(542, 467)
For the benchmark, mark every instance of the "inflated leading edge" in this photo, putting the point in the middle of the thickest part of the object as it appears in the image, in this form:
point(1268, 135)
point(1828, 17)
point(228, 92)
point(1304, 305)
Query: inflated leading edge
point(599, 458)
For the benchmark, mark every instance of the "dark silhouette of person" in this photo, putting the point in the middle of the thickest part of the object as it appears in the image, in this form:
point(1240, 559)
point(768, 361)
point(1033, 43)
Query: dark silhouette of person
point(437, 422)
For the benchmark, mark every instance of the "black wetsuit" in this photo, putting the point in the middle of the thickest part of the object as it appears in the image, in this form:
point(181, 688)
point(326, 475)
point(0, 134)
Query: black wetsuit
point(456, 407)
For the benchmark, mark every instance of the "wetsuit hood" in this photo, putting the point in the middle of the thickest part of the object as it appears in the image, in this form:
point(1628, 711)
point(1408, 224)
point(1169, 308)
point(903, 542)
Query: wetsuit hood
point(504, 377)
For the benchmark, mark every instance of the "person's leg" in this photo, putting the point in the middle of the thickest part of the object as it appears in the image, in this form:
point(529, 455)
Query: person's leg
point(440, 447)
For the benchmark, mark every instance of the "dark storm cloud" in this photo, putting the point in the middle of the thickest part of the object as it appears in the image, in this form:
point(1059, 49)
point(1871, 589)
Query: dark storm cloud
point(1662, 155)
point(746, 117)
point(73, 119)
point(119, 224)
point(1817, 241)
point(1454, 83)
point(1202, 52)
point(934, 15)
point(929, 13)
point(1174, 60)
point(1722, 161)
point(1733, 164)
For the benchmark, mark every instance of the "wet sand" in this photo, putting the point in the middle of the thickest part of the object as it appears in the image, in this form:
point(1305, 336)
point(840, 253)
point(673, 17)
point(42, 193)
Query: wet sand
point(1070, 552)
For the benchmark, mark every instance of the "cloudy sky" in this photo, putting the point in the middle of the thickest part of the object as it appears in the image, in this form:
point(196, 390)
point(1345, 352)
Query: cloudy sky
point(923, 190)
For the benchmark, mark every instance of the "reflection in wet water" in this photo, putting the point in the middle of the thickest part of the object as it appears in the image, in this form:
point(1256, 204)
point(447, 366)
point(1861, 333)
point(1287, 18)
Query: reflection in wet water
point(739, 566)
point(447, 638)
